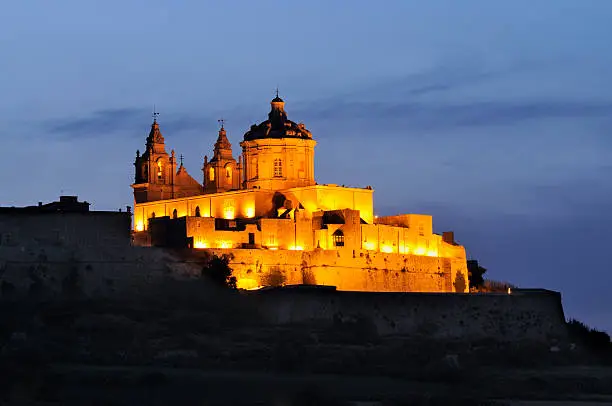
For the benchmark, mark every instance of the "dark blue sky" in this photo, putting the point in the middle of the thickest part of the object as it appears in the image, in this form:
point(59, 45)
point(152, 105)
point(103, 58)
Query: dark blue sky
point(495, 117)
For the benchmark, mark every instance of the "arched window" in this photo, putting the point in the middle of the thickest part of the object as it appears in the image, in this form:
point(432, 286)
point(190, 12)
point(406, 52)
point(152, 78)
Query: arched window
point(255, 168)
point(278, 168)
point(338, 238)
point(228, 173)
point(211, 174)
point(197, 211)
point(160, 170)
point(153, 215)
point(174, 214)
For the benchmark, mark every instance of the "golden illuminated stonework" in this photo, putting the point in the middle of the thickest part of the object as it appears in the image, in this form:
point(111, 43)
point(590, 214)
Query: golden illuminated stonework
point(280, 225)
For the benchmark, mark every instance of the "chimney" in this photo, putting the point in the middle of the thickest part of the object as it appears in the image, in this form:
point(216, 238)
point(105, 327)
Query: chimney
point(448, 237)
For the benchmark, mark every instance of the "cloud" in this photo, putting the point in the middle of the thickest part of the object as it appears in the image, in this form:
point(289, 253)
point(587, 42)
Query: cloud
point(121, 120)
point(97, 123)
point(421, 115)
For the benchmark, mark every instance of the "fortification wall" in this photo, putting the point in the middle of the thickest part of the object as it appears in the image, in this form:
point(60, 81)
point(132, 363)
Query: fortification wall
point(75, 229)
point(357, 270)
point(534, 316)
point(44, 253)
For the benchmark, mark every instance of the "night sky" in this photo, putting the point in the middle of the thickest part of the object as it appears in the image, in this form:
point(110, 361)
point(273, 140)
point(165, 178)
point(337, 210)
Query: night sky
point(495, 117)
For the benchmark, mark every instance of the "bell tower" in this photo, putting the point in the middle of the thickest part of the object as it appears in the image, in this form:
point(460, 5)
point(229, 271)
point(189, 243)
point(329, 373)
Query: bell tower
point(222, 173)
point(154, 169)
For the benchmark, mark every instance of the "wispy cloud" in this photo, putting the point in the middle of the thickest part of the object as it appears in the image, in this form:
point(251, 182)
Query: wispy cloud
point(119, 121)
point(421, 115)
point(96, 123)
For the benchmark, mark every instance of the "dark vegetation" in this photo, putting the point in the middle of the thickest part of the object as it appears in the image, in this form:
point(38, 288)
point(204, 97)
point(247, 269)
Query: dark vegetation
point(475, 274)
point(595, 340)
point(479, 284)
point(217, 270)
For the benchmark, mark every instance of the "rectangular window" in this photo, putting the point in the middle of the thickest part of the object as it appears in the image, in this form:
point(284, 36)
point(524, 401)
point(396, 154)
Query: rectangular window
point(278, 168)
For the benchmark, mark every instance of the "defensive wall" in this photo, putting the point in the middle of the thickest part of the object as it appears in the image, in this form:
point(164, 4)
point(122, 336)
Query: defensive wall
point(523, 315)
point(42, 250)
point(355, 270)
point(46, 250)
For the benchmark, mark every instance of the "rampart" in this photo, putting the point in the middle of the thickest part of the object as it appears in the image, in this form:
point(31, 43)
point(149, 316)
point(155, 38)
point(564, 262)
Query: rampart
point(355, 270)
point(519, 316)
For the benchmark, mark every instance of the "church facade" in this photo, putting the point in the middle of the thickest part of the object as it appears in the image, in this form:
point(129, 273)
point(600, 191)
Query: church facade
point(280, 225)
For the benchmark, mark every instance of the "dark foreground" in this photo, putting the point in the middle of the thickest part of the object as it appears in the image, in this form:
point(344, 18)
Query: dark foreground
point(190, 344)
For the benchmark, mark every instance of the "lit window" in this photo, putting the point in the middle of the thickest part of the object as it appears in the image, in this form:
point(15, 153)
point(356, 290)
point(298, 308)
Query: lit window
point(160, 170)
point(228, 209)
point(278, 168)
point(211, 174)
point(339, 238)
point(228, 172)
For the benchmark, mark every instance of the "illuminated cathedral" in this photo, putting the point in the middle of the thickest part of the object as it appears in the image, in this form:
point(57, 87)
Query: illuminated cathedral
point(280, 225)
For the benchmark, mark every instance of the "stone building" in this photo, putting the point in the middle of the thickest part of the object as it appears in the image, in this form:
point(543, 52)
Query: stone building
point(281, 226)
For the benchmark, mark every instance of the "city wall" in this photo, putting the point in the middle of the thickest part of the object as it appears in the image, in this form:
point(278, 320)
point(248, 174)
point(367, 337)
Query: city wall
point(44, 253)
point(534, 315)
point(357, 270)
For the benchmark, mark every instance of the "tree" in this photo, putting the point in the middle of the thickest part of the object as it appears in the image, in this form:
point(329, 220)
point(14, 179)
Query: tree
point(475, 274)
point(218, 271)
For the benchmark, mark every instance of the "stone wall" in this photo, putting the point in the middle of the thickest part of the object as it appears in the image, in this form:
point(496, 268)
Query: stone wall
point(532, 316)
point(357, 270)
point(48, 253)
point(58, 228)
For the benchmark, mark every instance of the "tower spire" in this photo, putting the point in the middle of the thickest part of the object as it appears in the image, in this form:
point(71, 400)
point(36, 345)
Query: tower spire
point(222, 122)
point(155, 114)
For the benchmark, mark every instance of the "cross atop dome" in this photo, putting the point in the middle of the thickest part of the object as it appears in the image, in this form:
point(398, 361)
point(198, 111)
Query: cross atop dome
point(277, 99)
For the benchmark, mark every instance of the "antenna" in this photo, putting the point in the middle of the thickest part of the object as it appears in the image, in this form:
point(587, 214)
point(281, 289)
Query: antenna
point(155, 114)
point(222, 122)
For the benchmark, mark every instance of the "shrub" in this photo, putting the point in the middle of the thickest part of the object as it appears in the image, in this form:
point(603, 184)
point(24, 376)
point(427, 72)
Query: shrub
point(591, 338)
point(218, 271)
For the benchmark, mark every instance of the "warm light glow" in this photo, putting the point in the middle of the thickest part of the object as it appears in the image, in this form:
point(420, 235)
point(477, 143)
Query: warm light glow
point(386, 248)
point(200, 244)
point(404, 250)
point(249, 212)
point(273, 248)
point(420, 251)
point(369, 245)
point(139, 226)
point(228, 213)
point(432, 253)
point(296, 248)
point(224, 244)
point(247, 283)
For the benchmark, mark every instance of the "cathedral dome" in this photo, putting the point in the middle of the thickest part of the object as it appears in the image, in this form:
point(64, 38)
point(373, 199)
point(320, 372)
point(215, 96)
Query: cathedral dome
point(277, 125)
